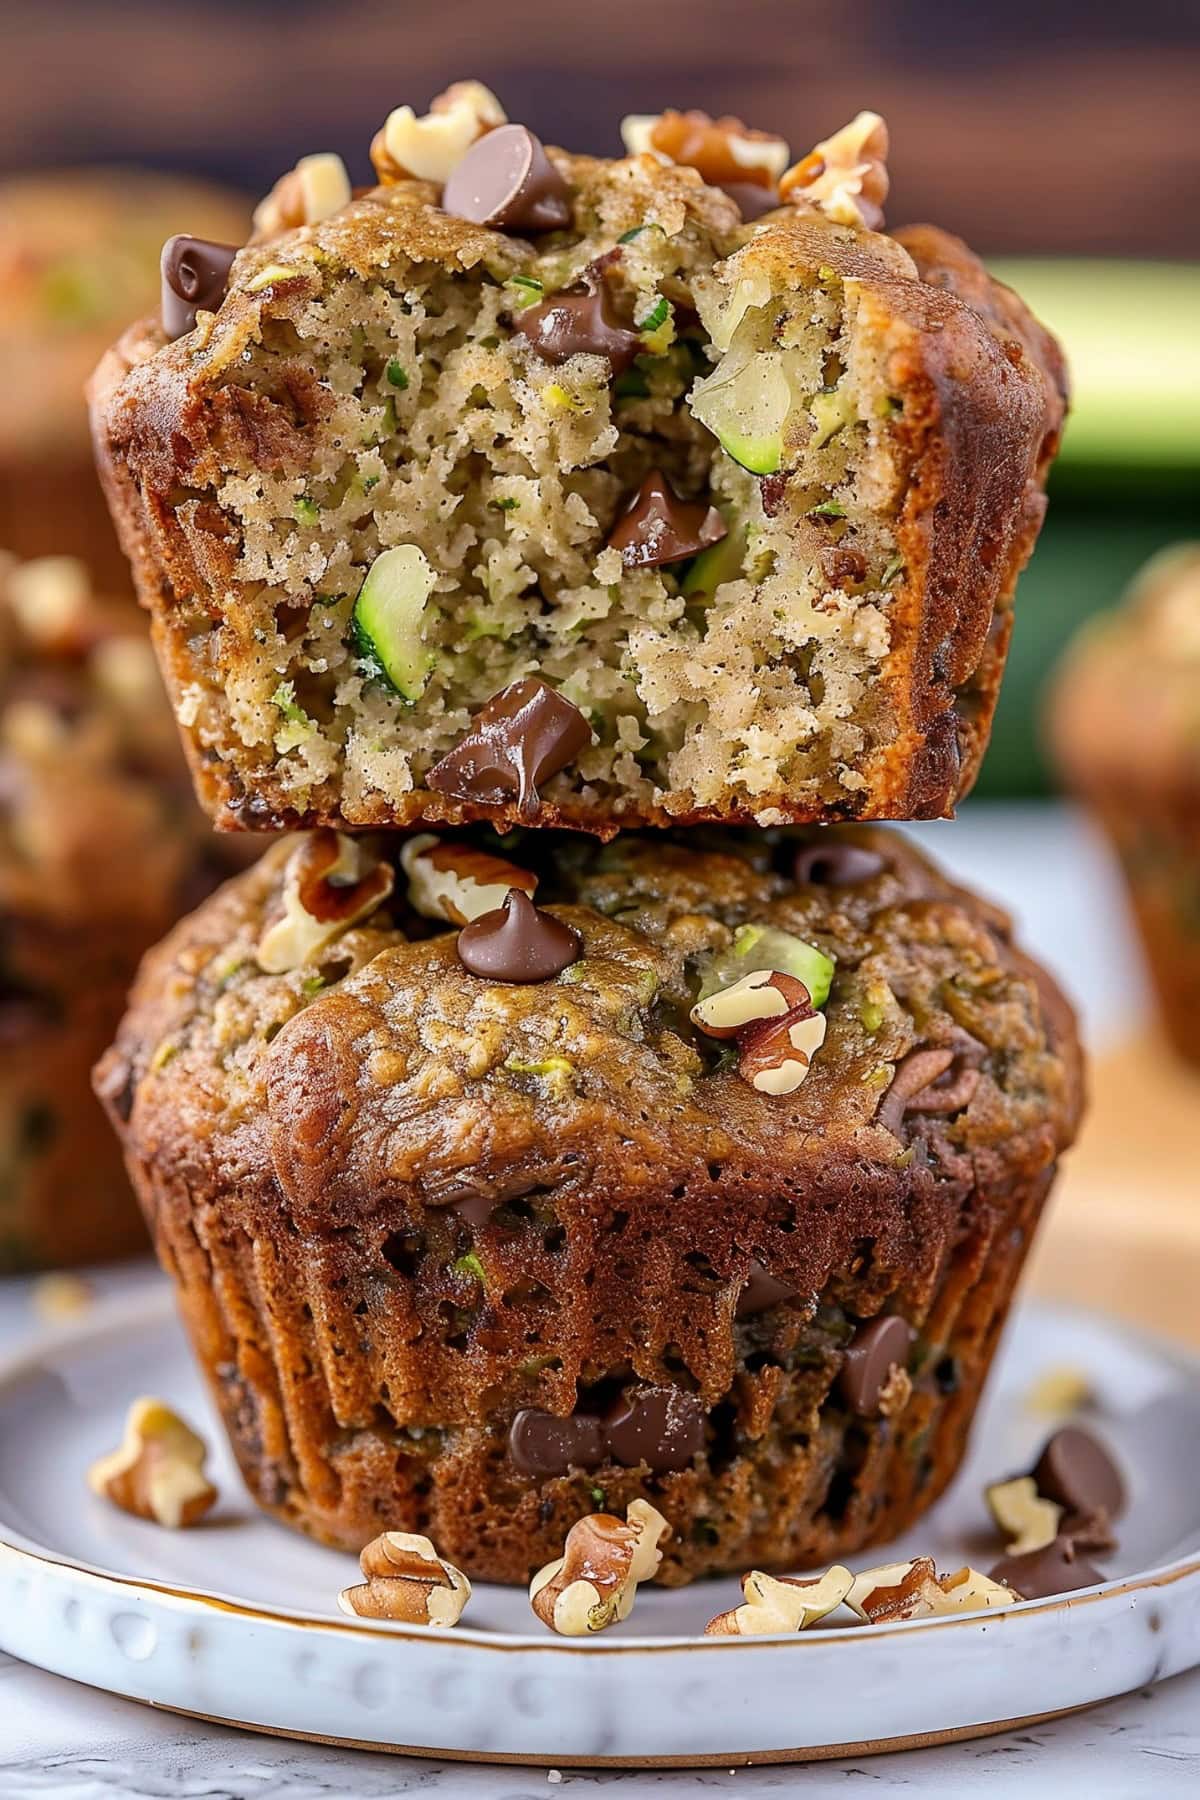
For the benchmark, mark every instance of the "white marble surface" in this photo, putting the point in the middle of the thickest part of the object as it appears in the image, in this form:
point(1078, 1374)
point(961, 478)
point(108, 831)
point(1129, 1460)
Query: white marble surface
point(60, 1740)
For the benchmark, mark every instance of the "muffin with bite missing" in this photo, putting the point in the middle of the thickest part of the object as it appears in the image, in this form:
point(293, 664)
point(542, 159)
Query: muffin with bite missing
point(502, 1179)
point(1125, 729)
point(681, 452)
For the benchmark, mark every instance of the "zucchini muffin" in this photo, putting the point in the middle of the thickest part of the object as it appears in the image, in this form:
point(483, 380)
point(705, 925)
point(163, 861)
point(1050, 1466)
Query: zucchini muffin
point(101, 848)
point(727, 504)
point(1125, 729)
point(79, 256)
point(504, 1180)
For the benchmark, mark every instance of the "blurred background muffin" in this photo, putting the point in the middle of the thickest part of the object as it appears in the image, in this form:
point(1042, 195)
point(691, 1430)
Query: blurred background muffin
point(1125, 727)
point(101, 848)
point(79, 252)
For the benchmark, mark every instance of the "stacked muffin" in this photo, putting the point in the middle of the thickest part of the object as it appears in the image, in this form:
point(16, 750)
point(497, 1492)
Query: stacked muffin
point(639, 1131)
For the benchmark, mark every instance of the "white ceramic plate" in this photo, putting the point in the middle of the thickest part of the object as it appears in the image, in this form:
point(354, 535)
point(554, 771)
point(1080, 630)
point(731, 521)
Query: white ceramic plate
point(236, 1620)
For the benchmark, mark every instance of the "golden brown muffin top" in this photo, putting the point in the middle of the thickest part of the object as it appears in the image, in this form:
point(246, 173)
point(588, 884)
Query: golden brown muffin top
point(373, 1067)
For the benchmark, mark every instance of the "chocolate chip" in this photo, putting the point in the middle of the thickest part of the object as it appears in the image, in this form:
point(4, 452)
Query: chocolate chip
point(761, 1291)
point(523, 735)
point(580, 321)
point(542, 1443)
point(658, 527)
point(660, 1426)
point(506, 180)
point(873, 1352)
point(195, 273)
point(835, 864)
point(1079, 1474)
point(517, 942)
point(751, 200)
point(1055, 1569)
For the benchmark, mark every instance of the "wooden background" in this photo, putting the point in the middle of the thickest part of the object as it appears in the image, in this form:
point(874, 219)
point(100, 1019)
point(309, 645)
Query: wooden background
point(1064, 125)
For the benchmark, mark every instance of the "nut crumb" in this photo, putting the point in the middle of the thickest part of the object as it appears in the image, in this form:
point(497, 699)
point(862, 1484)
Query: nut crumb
point(458, 881)
point(846, 176)
point(781, 1604)
point(61, 1295)
point(158, 1472)
point(432, 146)
point(914, 1590)
point(315, 189)
point(330, 884)
point(1028, 1521)
point(1060, 1390)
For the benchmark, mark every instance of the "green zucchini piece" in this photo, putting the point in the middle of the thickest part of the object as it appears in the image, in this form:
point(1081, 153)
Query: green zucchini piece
point(745, 403)
point(390, 616)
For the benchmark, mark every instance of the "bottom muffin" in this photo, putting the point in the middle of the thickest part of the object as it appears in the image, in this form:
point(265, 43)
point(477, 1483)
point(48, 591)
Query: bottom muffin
point(706, 1176)
point(1125, 728)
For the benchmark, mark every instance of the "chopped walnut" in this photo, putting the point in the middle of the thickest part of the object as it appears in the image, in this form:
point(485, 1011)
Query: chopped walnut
point(721, 150)
point(914, 1590)
point(775, 1055)
point(457, 881)
point(784, 1604)
point(158, 1472)
point(1028, 1521)
point(315, 189)
point(408, 1581)
point(331, 883)
point(845, 177)
point(430, 147)
point(593, 1583)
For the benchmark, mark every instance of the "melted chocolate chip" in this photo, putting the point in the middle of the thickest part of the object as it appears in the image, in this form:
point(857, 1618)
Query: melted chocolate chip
point(660, 1426)
point(542, 1443)
point(835, 865)
point(1056, 1569)
point(581, 320)
point(761, 1291)
point(658, 527)
point(1076, 1472)
point(506, 180)
point(195, 273)
point(517, 942)
point(523, 735)
point(873, 1352)
point(751, 200)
